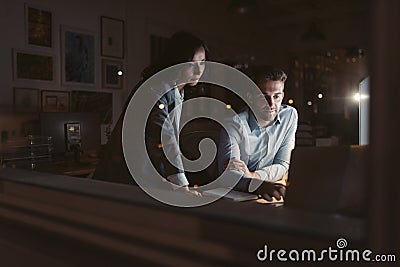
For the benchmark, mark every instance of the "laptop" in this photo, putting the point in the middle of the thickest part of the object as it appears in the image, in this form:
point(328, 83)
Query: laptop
point(234, 195)
point(316, 177)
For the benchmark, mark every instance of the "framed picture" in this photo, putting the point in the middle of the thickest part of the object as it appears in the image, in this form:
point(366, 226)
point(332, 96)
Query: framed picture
point(88, 101)
point(112, 74)
point(38, 26)
point(55, 101)
point(112, 37)
point(77, 56)
point(37, 66)
point(26, 99)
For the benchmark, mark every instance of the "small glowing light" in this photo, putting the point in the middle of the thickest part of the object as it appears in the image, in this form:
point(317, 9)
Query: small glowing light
point(159, 145)
point(195, 186)
point(357, 97)
point(161, 106)
point(309, 103)
point(290, 101)
point(228, 106)
point(320, 95)
point(242, 10)
point(119, 73)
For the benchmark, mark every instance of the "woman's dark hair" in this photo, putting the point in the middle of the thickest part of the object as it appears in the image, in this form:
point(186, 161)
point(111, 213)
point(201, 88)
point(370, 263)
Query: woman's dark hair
point(181, 48)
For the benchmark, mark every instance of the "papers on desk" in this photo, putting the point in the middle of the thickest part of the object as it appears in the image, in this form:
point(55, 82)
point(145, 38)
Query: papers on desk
point(232, 194)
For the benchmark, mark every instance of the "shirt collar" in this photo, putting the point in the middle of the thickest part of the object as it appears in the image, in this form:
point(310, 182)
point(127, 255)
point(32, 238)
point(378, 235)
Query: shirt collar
point(253, 121)
point(178, 94)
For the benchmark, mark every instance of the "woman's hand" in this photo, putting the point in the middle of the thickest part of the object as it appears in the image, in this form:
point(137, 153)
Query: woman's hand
point(186, 190)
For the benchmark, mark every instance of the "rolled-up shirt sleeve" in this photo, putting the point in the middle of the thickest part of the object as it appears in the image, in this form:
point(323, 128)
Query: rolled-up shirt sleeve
point(230, 137)
point(281, 162)
point(166, 157)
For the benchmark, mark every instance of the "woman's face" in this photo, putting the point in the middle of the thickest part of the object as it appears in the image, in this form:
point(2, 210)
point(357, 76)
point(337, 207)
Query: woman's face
point(193, 73)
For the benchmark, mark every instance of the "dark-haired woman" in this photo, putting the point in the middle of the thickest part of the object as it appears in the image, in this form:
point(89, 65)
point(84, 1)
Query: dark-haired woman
point(164, 118)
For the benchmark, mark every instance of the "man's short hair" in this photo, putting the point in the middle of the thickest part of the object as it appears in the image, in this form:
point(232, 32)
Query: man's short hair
point(270, 74)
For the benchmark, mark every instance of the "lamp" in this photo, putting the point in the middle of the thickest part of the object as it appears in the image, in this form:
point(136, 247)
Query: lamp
point(242, 6)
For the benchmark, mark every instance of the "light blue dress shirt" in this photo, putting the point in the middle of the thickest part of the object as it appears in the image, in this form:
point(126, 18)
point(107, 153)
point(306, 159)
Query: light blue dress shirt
point(175, 116)
point(265, 150)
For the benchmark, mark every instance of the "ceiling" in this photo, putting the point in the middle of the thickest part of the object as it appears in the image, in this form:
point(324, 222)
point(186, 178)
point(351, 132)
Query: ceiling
point(272, 13)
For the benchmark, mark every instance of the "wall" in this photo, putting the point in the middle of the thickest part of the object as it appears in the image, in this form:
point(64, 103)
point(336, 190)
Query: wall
point(83, 15)
point(252, 38)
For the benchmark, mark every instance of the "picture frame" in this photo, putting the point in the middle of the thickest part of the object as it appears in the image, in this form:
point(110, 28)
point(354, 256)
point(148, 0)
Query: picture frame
point(112, 37)
point(55, 101)
point(78, 56)
point(33, 66)
point(38, 26)
point(112, 74)
point(26, 100)
point(91, 101)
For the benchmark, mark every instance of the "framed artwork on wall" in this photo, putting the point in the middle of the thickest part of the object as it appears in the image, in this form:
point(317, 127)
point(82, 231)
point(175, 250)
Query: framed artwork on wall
point(112, 37)
point(88, 101)
point(26, 99)
point(78, 56)
point(38, 26)
point(112, 74)
point(55, 101)
point(37, 66)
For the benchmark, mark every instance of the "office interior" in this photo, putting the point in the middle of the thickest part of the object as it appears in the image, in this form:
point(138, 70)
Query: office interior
point(52, 212)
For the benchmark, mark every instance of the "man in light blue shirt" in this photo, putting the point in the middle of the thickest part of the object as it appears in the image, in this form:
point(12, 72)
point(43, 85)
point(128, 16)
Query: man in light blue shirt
point(260, 150)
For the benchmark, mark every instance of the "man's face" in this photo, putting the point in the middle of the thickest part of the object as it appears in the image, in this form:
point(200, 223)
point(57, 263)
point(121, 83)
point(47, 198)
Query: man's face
point(272, 92)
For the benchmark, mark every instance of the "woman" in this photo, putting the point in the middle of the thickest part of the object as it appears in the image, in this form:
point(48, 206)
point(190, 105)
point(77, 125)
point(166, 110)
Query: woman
point(164, 117)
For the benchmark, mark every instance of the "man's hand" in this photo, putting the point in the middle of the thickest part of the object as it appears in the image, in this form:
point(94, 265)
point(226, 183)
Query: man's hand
point(239, 165)
point(277, 189)
point(268, 190)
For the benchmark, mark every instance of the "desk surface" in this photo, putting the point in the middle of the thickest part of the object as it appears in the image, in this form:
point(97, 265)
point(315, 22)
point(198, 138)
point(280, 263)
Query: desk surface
point(61, 165)
point(249, 213)
point(128, 222)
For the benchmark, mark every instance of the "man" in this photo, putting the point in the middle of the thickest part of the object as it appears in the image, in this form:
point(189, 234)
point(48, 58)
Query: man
point(260, 149)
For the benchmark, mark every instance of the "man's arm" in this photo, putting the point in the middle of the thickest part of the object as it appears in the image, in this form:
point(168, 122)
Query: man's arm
point(280, 165)
point(228, 148)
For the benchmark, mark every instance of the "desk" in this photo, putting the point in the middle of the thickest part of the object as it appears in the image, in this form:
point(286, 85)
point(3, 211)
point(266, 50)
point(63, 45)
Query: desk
point(62, 165)
point(80, 221)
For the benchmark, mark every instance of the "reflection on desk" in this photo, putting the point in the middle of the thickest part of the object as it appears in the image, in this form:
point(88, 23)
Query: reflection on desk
point(63, 165)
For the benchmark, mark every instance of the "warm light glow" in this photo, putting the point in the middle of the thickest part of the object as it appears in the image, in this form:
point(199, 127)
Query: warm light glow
point(228, 106)
point(357, 97)
point(119, 73)
point(290, 101)
point(309, 103)
point(320, 95)
point(161, 106)
point(195, 186)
